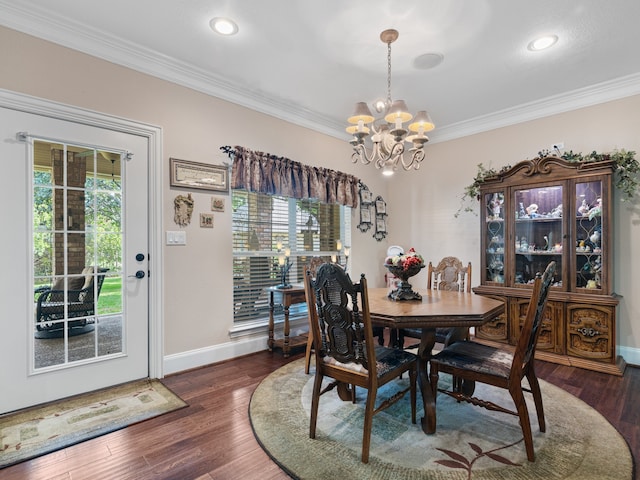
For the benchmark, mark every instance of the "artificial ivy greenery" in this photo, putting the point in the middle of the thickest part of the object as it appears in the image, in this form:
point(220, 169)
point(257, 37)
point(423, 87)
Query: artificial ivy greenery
point(625, 177)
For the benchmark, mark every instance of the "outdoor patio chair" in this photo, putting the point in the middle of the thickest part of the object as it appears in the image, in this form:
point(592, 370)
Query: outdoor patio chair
point(51, 308)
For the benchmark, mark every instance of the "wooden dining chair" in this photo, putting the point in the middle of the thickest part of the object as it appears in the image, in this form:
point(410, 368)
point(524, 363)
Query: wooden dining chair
point(449, 274)
point(345, 350)
point(500, 367)
point(378, 331)
point(312, 268)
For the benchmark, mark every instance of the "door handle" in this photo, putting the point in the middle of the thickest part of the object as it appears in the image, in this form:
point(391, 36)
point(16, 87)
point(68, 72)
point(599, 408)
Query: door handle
point(139, 274)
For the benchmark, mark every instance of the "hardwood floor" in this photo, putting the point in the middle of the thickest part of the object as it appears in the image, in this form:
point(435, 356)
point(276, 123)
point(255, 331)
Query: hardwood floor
point(212, 438)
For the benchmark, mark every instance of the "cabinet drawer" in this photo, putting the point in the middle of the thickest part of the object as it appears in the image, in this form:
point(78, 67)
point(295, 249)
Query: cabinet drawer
point(591, 332)
point(551, 332)
point(497, 329)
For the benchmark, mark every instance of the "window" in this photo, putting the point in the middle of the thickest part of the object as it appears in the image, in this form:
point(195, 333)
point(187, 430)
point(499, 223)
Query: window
point(261, 223)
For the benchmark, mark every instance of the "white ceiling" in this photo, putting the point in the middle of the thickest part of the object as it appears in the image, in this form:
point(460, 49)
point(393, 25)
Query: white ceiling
point(309, 62)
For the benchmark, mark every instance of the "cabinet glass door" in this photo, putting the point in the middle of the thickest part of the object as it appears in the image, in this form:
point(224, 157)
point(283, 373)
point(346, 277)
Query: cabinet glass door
point(539, 232)
point(588, 235)
point(494, 237)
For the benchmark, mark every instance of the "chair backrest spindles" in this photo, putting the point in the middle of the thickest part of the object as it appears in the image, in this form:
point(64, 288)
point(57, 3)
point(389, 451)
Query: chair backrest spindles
point(449, 274)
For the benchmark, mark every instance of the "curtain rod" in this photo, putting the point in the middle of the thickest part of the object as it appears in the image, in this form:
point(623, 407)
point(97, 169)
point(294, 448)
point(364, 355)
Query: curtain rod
point(231, 152)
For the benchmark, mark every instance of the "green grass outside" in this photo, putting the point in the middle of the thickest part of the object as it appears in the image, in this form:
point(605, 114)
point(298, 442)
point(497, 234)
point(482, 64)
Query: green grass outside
point(110, 299)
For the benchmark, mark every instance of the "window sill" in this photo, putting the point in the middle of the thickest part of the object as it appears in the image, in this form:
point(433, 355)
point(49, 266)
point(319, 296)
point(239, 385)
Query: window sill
point(298, 323)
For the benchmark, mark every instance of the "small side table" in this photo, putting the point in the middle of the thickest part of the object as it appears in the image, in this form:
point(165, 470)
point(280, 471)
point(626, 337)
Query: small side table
point(285, 297)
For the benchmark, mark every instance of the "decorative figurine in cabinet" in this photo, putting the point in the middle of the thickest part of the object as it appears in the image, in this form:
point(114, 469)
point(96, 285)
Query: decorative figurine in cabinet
point(542, 210)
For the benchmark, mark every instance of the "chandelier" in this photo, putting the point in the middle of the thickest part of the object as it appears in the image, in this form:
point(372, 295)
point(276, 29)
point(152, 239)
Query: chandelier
point(389, 134)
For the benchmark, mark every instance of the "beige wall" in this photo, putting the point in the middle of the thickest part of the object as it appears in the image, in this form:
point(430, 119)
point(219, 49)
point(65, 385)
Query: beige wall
point(421, 205)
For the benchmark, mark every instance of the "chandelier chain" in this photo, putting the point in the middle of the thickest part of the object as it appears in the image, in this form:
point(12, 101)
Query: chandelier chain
point(388, 74)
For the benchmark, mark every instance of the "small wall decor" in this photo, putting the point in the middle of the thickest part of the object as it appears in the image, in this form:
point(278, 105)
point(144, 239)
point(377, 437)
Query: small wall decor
point(366, 199)
point(217, 204)
point(199, 175)
point(381, 222)
point(206, 220)
point(183, 207)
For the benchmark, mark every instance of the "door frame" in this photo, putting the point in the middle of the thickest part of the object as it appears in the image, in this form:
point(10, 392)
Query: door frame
point(153, 134)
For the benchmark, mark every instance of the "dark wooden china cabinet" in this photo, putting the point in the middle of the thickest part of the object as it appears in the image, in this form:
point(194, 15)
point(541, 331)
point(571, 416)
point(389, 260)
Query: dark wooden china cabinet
point(543, 210)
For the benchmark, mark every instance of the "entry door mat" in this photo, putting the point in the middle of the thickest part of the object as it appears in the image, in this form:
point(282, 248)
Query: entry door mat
point(40, 430)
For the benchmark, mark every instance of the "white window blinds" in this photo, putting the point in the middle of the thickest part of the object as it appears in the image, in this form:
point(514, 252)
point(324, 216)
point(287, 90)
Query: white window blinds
point(262, 222)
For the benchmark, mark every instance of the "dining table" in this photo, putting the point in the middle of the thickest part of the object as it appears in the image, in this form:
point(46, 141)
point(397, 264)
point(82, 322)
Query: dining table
point(436, 309)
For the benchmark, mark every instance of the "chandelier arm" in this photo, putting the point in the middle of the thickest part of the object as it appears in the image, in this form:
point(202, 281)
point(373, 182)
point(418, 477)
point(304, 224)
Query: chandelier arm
point(360, 153)
point(393, 157)
point(417, 156)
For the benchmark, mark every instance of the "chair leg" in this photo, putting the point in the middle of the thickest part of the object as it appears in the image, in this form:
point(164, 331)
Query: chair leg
point(413, 377)
point(537, 398)
point(393, 338)
point(523, 413)
point(433, 380)
point(307, 355)
point(368, 423)
point(315, 401)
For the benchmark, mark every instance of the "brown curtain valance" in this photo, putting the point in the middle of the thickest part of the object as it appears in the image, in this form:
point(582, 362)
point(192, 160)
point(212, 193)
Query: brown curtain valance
point(265, 173)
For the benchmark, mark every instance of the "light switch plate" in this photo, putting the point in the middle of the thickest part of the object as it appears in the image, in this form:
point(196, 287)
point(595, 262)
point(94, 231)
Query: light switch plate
point(176, 237)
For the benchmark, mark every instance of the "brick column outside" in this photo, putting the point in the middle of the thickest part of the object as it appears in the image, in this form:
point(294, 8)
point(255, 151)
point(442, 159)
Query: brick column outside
point(75, 211)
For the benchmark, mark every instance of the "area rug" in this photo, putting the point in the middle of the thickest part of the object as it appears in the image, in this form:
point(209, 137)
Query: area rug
point(44, 429)
point(470, 442)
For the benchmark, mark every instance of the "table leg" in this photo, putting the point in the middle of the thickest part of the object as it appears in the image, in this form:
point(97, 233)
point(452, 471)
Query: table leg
point(345, 391)
point(427, 341)
point(285, 343)
point(272, 307)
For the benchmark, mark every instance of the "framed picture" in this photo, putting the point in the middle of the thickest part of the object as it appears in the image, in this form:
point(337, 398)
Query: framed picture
point(217, 204)
point(365, 196)
point(381, 206)
point(381, 229)
point(365, 215)
point(199, 175)
point(206, 220)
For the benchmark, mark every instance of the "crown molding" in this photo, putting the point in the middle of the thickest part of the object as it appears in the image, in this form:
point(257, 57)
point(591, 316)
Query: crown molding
point(51, 27)
point(584, 97)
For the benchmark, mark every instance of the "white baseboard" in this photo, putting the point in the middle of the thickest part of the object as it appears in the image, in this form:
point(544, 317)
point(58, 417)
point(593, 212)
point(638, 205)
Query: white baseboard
point(245, 339)
point(631, 355)
point(205, 356)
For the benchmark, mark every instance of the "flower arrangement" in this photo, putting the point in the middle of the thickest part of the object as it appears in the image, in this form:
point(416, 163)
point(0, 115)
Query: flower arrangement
point(404, 266)
point(626, 174)
point(407, 261)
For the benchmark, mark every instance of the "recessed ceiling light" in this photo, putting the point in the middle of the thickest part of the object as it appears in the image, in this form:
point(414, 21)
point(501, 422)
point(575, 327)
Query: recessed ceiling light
point(543, 42)
point(223, 26)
